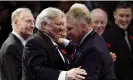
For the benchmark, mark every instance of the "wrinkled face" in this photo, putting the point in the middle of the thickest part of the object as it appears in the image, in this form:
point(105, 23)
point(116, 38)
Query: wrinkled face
point(99, 22)
point(56, 28)
point(74, 31)
point(123, 17)
point(25, 23)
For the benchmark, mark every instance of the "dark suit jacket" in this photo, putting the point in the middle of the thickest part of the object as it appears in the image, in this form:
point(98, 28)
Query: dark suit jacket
point(117, 44)
point(11, 59)
point(41, 59)
point(94, 57)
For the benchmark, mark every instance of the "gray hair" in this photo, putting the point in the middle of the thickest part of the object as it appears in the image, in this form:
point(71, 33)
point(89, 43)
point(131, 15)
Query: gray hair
point(78, 13)
point(17, 12)
point(46, 15)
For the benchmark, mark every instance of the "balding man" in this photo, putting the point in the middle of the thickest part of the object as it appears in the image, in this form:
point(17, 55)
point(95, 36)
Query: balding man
point(12, 49)
point(99, 20)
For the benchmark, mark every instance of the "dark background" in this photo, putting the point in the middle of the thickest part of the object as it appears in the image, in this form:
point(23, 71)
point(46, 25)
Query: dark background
point(7, 7)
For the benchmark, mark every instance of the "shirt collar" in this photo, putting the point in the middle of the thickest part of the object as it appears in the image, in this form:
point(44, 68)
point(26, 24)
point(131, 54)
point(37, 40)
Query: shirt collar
point(84, 37)
point(19, 37)
point(51, 40)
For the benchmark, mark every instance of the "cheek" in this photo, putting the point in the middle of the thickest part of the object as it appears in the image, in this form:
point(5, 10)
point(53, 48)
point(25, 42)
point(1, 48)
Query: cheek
point(94, 25)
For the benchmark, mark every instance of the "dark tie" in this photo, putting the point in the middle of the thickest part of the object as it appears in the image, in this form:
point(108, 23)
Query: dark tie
point(75, 54)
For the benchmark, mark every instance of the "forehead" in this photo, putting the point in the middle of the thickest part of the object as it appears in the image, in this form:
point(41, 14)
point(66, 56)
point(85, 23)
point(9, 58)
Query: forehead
point(100, 17)
point(124, 11)
point(59, 19)
point(26, 15)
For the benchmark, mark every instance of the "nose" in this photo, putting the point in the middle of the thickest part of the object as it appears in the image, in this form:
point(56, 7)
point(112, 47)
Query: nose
point(64, 34)
point(124, 18)
point(32, 25)
point(99, 24)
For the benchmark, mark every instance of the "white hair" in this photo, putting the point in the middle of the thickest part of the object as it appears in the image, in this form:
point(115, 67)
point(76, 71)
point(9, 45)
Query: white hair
point(16, 13)
point(46, 15)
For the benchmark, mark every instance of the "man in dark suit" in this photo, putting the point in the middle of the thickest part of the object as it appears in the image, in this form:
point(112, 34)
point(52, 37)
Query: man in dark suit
point(42, 59)
point(12, 49)
point(119, 39)
point(91, 51)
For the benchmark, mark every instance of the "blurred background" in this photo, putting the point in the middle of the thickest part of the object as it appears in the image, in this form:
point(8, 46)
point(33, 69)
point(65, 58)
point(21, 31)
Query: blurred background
point(7, 7)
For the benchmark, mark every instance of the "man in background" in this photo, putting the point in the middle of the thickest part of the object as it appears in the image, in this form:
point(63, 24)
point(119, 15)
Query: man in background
point(119, 39)
point(12, 49)
point(99, 23)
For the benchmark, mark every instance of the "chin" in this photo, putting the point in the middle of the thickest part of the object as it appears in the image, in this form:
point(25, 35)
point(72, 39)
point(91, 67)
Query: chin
point(124, 28)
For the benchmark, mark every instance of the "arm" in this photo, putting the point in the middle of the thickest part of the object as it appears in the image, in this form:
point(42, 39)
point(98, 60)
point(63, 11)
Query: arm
point(12, 63)
point(70, 46)
point(39, 63)
point(98, 65)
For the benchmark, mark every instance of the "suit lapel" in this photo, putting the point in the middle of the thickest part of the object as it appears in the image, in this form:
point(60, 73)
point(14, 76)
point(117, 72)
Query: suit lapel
point(81, 48)
point(51, 47)
point(19, 43)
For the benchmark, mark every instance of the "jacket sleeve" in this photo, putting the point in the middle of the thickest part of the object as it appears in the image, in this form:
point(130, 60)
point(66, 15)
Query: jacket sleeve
point(12, 64)
point(37, 60)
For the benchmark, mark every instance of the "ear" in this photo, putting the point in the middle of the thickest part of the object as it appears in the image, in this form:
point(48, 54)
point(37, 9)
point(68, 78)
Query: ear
point(83, 26)
point(114, 13)
point(15, 21)
point(43, 24)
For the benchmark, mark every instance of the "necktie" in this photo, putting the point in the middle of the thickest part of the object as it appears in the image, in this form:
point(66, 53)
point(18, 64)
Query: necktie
point(126, 38)
point(59, 52)
point(75, 54)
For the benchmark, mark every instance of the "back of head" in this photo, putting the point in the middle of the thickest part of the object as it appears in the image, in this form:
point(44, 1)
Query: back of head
point(79, 13)
point(81, 6)
point(46, 15)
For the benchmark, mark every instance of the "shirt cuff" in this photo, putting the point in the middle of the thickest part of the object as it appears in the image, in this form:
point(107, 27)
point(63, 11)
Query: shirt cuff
point(66, 42)
point(62, 75)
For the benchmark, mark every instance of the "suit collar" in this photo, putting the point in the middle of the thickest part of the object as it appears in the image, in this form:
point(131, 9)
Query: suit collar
point(82, 40)
point(120, 30)
point(52, 44)
point(19, 37)
point(86, 37)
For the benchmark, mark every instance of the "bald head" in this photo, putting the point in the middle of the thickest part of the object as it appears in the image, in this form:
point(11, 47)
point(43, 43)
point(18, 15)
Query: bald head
point(99, 12)
point(99, 20)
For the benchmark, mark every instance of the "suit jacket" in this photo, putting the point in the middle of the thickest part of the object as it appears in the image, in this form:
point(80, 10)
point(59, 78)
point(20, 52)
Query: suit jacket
point(94, 57)
point(11, 59)
point(117, 44)
point(41, 59)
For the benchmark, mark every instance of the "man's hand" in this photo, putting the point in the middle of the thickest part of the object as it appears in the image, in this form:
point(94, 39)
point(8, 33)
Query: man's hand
point(113, 56)
point(76, 74)
point(61, 40)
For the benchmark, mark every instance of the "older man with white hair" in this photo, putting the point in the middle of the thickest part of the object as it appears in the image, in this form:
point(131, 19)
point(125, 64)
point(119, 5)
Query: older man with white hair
point(12, 49)
point(42, 59)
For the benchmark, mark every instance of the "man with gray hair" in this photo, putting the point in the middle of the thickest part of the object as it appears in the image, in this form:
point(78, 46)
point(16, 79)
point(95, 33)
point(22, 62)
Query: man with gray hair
point(12, 49)
point(91, 52)
point(42, 59)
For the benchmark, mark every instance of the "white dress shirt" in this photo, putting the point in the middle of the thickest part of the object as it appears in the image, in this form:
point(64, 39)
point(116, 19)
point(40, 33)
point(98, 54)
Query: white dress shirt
point(62, 75)
point(19, 37)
